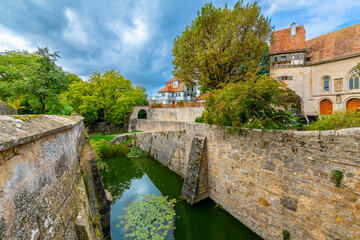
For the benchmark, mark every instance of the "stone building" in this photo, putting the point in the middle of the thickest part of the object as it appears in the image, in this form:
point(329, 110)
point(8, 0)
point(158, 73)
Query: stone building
point(323, 71)
point(175, 91)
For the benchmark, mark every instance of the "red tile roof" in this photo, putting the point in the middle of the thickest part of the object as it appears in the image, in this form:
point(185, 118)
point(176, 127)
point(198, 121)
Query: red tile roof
point(172, 80)
point(166, 89)
point(282, 41)
point(335, 45)
point(202, 96)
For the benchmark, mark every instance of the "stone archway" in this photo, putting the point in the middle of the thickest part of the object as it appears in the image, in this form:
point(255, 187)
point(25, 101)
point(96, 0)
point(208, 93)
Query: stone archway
point(137, 109)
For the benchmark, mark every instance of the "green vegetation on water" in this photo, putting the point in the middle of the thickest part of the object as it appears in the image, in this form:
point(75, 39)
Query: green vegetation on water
point(127, 178)
point(148, 217)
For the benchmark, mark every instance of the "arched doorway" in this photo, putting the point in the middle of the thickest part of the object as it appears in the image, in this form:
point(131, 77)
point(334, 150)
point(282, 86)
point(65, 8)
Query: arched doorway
point(142, 114)
point(352, 105)
point(326, 107)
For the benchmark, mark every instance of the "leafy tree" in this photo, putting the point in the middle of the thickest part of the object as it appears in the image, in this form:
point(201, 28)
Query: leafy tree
point(257, 102)
point(33, 78)
point(106, 97)
point(221, 45)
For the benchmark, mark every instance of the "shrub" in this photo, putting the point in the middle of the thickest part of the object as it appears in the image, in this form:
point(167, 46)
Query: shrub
point(255, 101)
point(136, 153)
point(200, 119)
point(336, 177)
point(337, 120)
point(286, 235)
point(150, 217)
point(113, 150)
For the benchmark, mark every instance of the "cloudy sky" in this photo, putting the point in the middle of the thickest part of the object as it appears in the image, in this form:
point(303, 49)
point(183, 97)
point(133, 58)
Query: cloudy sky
point(135, 37)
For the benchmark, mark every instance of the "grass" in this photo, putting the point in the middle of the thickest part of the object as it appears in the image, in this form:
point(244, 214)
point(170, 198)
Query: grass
point(111, 133)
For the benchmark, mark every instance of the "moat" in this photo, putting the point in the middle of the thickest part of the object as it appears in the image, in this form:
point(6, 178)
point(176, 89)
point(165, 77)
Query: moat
point(127, 178)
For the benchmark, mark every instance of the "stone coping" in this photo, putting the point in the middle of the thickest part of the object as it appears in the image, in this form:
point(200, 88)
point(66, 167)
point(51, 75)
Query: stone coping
point(312, 133)
point(20, 129)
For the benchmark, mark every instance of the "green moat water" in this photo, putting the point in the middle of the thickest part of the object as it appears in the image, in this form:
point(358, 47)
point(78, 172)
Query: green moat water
point(127, 178)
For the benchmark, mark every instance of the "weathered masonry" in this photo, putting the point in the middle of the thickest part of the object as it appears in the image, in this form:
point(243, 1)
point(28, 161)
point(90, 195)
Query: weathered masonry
point(272, 181)
point(5, 109)
point(50, 187)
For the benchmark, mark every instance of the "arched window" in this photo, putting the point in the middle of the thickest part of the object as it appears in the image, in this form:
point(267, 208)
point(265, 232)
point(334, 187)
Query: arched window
point(354, 79)
point(326, 84)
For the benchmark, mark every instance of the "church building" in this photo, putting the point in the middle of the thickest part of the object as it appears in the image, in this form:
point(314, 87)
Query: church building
point(323, 71)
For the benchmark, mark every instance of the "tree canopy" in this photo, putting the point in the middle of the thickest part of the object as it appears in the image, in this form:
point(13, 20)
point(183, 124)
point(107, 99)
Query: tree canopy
point(105, 97)
point(221, 45)
point(34, 80)
point(257, 102)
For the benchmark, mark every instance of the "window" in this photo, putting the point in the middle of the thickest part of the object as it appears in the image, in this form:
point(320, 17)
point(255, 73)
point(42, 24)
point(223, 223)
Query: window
point(354, 79)
point(326, 84)
point(307, 59)
point(284, 78)
point(283, 58)
point(275, 59)
point(296, 57)
point(175, 85)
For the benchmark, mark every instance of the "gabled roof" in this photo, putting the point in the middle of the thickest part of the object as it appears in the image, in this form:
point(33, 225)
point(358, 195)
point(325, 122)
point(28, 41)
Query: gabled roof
point(166, 89)
point(283, 42)
point(202, 96)
point(173, 80)
point(335, 45)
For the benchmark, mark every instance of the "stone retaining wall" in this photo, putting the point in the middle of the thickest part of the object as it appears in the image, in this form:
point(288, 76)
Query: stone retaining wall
point(187, 114)
point(5, 109)
point(272, 181)
point(44, 161)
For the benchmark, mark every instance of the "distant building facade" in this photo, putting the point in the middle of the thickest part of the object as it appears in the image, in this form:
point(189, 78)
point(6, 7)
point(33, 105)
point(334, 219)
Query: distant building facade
point(175, 91)
point(323, 71)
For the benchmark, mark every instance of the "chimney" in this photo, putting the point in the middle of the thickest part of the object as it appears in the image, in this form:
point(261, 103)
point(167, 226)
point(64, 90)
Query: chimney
point(293, 29)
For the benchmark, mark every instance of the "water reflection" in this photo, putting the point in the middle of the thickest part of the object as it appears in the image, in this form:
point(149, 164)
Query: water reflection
point(126, 179)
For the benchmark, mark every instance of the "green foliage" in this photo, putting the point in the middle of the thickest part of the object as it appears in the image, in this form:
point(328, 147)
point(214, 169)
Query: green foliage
point(286, 235)
point(336, 177)
point(256, 102)
point(113, 150)
point(200, 119)
point(136, 153)
point(221, 45)
point(337, 120)
point(106, 97)
point(35, 80)
point(150, 217)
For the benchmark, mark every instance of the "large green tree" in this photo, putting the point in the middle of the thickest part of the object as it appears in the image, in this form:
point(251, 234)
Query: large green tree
point(257, 102)
point(221, 45)
point(34, 79)
point(105, 97)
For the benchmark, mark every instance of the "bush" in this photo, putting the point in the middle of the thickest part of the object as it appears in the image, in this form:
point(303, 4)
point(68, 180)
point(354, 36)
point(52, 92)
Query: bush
point(200, 119)
point(136, 153)
point(150, 217)
point(337, 120)
point(113, 150)
point(254, 101)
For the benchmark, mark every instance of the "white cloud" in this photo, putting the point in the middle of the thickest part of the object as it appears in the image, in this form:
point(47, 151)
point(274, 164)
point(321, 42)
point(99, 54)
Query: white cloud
point(13, 41)
point(75, 29)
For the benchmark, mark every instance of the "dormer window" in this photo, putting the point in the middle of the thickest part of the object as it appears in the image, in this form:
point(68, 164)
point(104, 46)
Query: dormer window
point(175, 85)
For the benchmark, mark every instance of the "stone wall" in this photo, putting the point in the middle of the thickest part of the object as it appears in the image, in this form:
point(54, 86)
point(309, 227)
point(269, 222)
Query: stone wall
point(271, 180)
point(176, 114)
point(5, 109)
point(46, 179)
